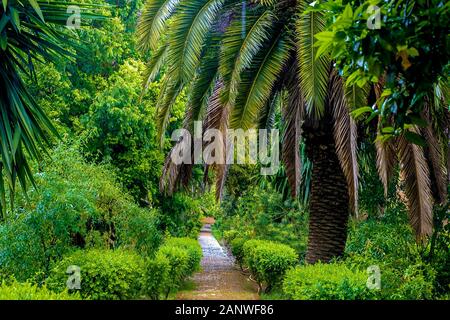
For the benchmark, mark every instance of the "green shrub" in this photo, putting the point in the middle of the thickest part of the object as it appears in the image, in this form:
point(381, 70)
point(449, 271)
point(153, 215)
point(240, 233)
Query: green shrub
point(193, 249)
point(157, 277)
point(416, 284)
point(333, 281)
point(230, 235)
point(78, 206)
point(137, 228)
point(105, 274)
point(237, 249)
point(263, 214)
point(181, 215)
point(268, 261)
point(28, 291)
point(389, 243)
point(178, 259)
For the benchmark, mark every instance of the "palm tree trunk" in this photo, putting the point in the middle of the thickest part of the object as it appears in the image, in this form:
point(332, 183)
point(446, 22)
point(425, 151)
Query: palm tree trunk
point(329, 203)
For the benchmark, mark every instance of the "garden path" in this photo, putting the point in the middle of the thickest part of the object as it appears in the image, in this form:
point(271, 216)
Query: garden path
point(219, 278)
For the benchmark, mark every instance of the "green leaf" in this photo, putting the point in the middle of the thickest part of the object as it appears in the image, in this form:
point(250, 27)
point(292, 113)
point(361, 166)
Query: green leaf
point(415, 138)
point(36, 8)
point(15, 18)
point(3, 42)
point(4, 21)
point(360, 111)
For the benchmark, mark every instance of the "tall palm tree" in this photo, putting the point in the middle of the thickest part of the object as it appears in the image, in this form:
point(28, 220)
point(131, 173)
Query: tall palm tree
point(30, 31)
point(234, 58)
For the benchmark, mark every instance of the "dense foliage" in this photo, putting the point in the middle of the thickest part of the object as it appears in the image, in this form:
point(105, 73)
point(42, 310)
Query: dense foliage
point(87, 115)
point(28, 291)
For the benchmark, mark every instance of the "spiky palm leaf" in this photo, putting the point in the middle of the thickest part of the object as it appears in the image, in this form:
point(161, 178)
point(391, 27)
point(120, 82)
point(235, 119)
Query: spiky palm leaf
point(267, 69)
point(29, 31)
point(293, 114)
point(415, 172)
point(152, 22)
point(386, 161)
point(313, 70)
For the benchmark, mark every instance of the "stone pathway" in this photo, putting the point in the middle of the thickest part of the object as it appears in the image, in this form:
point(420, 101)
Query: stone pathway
point(219, 279)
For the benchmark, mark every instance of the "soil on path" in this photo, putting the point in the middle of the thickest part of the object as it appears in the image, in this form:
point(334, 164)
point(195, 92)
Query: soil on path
point(219, 278)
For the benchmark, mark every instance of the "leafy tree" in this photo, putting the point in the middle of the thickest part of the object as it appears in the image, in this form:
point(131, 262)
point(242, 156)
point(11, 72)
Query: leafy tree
point(409, 76)
point(120, 129)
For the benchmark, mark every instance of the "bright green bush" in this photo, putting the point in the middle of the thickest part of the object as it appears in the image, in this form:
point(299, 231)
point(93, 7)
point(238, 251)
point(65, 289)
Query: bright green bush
point(193, 249)
point(268, 261)
point(105, 274)
point(28, 291)
point(333, 281)
point(388, 242)
point(77, 206)
point(178, 266)
point(175, 260)
point(157, 277)
point(230, 235)
point(120, 129)
point(416, 283)
point(237, 249)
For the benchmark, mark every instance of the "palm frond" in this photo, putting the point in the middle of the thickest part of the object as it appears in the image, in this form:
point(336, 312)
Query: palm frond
point(313, 70)
point(238, 48)
point(434, 152)
point(386, 161)
point(30, 31)
point(217, 118)
point(153, 67)
point(268, 67)
point(292, 117)
point(345, 137)
point(187, 35)
point(257, 35)
point(414, 170)
point(152, 22)
point(266, 118)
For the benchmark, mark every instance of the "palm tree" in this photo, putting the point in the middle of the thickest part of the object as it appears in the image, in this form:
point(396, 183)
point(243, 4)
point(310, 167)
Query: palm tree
point(29, 32)
point(234, 64)
point(235, 58)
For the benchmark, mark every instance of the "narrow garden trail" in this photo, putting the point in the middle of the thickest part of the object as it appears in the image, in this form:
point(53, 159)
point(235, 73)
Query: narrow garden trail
point(219, 278)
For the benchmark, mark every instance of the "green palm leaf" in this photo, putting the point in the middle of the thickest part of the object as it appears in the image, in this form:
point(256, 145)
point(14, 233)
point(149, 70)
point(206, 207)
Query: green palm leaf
point(313, 70)
point(28, 32)
point(269, 66)
point(187, 35)
point(152, 22)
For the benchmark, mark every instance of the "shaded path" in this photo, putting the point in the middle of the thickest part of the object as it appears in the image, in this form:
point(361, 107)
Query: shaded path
point(219, 278)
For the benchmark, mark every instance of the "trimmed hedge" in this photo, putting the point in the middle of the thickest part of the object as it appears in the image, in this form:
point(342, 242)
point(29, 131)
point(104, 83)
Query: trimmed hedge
point(156, 282)
point(121, 274)
point(105, 274)
point(326, 282)
point(268, 261)
point(177, 259)
point(193, 249)
point(28, 291)
point(237, 249)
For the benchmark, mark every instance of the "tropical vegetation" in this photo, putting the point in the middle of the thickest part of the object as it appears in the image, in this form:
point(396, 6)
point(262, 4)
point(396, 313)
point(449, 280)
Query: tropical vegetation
point(91, 92)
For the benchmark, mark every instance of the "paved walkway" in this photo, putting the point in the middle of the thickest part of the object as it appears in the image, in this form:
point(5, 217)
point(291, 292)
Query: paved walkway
point(219, 279)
